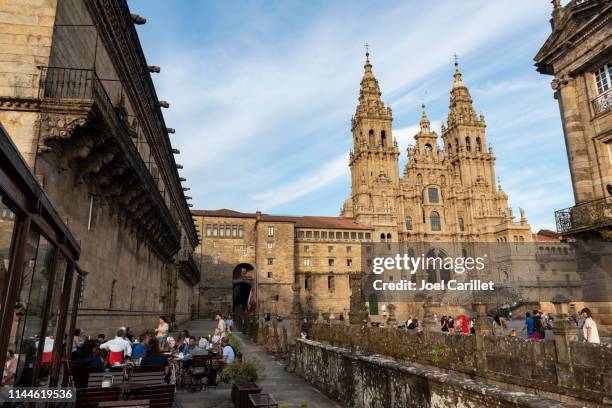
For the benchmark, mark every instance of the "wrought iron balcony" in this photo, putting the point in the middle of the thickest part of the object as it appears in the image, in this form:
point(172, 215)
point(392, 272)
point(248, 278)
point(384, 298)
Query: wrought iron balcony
point(188, 267)
point(585, 216)
point(603, 102)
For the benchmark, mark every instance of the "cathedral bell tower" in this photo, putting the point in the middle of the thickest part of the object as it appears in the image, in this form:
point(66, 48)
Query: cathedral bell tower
point(373, 162)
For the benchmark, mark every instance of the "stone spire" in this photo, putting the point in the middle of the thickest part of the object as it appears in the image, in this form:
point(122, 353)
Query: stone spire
point(370, 104)
point(424, 122)
point(461, 108)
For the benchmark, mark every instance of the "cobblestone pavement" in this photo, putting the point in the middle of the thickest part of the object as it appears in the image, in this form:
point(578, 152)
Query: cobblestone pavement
point(284, 386)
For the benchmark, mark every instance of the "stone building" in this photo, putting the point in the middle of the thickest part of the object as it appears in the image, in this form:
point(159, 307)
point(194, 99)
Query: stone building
point(78, 101)
point(240, 251)
point(578, 54)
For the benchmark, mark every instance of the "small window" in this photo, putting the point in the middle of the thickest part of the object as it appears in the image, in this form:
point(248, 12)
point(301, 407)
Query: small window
point(353, 235)
point(221, 230)
point(270, 231)
point(360, 235)
point(603, 78)
point(270, 244)
point(316, 234)
point(349, 249)
point(331, 283)
point(461, 225)
point(330, 248)
point(330, 262)
point(240, 231)
point(234, 231)
point(349, 262)
point(270, 261)
point(323, 234)
point(434, 220)
point(346, 235)
point(208, 230)
point(308, 234)
point(215, 230)
point(434, 197)
point(306, 261)
point(215, 259)
point(306, 248)
point(338, 235)
point(308, 281)
point(301, 234)
point(468, 144)
point(408, 224)
point(270, 274)
point(368, 235)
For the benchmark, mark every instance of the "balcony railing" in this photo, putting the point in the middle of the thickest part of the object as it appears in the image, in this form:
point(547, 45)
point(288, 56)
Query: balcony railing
point(603, 102)
point(585, 216)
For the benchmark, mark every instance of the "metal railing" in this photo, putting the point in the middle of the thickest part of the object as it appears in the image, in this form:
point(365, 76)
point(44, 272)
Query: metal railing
point(585, 216)
point(67, 83)
point(602, 103)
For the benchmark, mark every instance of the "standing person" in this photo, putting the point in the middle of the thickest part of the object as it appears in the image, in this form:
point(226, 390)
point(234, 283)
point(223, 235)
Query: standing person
point(528, 325)
point(444, 324)
point(230, 323)
point(589, 327)
point(451, 324)
point(162, 329)
point(538, 325)
point(77, 343)
point(221, 323)
point(129, 335)
point(118, 348)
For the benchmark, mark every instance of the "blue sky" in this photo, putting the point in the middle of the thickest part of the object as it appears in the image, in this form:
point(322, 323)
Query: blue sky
point(262, 93)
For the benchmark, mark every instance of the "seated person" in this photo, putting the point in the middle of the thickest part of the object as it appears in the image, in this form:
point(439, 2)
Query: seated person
point(191, 346)
point(10, 368)
point(140, 348)
point(217, 336)
point(90, 358)
point(228, 352)
point(203, 343)
point(155, 357)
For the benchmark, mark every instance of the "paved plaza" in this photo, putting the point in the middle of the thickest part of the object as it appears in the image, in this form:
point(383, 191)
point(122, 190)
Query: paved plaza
point(286, 387)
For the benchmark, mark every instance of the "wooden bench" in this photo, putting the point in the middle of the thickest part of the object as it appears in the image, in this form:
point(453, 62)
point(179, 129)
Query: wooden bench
point(125, 404)
point(95, 379)
point(159, 396)
point(156, 377)
point(91, 397)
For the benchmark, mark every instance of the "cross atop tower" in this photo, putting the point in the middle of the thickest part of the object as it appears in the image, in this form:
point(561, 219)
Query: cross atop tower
point(456, 61)
point(367, 48)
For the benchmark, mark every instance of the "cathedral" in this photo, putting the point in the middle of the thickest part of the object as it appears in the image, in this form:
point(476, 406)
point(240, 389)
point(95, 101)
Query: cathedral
point(447, 192)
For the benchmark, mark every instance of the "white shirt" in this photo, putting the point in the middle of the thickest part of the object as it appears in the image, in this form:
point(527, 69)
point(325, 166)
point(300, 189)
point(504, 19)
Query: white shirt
point(118, 345)
point(221, 325)
point(590, 323)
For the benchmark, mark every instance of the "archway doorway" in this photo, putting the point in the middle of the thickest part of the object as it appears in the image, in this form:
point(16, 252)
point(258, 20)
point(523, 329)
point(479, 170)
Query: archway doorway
point(243, 283)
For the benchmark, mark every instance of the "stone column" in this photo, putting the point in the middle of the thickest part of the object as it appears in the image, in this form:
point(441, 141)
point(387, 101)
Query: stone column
point(430, 324)
point(482, 329)
point(358, 316)
point(577, 149)
point(296, 315)
point(565, 332)
point(260, 338)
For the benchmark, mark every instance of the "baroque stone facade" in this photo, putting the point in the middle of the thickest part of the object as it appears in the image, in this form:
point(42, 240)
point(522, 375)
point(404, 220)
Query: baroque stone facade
point(578, 53)
point(77, 99)
point(447, 192)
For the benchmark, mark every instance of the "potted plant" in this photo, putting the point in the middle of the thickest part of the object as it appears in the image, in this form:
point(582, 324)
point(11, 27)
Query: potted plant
point(243, 376)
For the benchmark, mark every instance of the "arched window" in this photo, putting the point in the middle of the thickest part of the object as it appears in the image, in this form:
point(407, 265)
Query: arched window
point(419, 179)
point(457, 145)
point(468, 144)
point(433, 195)
point(382, 237)
point(388, 237)
point(478, 146)
point(373, 301)
point(371, 137)
point(461, 225)
point(383, 138)
point(450, 148)
point(434, 220)
point(427, 150)
point(445, 270)
point(408, 224)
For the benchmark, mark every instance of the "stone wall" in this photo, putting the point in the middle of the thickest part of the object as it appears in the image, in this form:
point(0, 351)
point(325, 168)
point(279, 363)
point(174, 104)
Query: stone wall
point(376, 382)
point(522, 364)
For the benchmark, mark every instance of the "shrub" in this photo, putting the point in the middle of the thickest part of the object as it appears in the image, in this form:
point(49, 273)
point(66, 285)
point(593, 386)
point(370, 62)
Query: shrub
point(240, 373)
point(236, 344)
